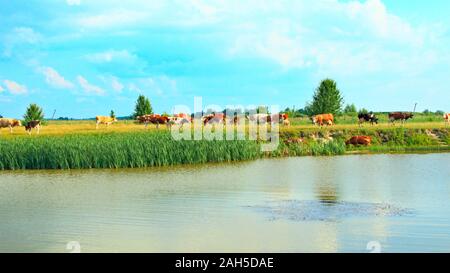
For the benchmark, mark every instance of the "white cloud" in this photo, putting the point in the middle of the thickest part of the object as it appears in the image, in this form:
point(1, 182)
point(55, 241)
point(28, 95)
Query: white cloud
point(1, 89)
point(116, 85)
point(114, 82)
point(109, 56)
point(112, 18)
point(53, 78)
point(19, 37)
point(15, 88)
point(162, 86)
point(89, 88)
point(354, 38)
point(73, 2)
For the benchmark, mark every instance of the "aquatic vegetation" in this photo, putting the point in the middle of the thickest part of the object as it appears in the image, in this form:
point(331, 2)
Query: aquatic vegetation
point(117, 150)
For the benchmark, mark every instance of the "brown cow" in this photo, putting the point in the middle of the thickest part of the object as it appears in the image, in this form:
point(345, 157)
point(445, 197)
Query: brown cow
point(154, 119)
point(359, 140)
point(34, 124)
point(400, 116)
point(9, 123)
point(322, 119)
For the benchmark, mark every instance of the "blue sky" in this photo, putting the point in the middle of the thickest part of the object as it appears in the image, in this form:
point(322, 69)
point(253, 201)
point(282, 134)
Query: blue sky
point(84, 58)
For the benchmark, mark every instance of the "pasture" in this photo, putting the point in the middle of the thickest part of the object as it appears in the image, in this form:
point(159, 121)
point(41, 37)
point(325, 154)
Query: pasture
point(127, 144)
point(345, 122)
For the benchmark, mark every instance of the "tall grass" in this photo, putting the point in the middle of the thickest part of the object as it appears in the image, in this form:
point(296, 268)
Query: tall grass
point(117, 150)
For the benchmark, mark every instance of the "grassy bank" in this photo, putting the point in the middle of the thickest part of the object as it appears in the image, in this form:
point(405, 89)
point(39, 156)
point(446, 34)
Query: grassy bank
point(157, 148)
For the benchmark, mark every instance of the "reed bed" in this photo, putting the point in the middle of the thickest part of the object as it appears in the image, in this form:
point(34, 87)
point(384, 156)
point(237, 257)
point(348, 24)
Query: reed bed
point(117, 150)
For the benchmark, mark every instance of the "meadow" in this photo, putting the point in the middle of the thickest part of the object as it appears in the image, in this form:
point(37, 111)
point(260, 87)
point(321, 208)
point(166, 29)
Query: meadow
point(127, 144)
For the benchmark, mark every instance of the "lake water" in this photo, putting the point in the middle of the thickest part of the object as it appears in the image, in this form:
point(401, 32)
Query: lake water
point(399, 203)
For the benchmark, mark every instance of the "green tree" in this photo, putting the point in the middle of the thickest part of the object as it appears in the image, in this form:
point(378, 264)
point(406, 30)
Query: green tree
point(326, 99)
point(363, 111)
point(112, 114)
point(34, 112)
point(350, 108)
point(143, 107)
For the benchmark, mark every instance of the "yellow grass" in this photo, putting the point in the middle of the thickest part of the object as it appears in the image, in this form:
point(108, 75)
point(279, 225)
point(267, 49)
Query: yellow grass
point(88, 127)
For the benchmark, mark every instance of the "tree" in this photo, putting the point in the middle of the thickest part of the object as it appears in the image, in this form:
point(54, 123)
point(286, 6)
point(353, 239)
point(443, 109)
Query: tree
point(112, 114)
point(34, 112)
point(350, 108)
point(143, 107)
point(326, 99)
point(363, 111)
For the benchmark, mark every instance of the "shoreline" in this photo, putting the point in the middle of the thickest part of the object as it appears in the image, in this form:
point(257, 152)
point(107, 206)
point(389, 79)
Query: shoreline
point(118, 150)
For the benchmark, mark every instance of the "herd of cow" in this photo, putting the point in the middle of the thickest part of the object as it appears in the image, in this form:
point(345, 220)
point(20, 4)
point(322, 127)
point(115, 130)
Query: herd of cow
point(11, 123)
point(217, 118)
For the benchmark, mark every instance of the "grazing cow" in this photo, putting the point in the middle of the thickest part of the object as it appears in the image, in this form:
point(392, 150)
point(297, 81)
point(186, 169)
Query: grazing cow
point(181, 121)
point(34, 124)
point(9, 123)
point(400, 116)
point(104, 120)
point(266, 118)
point(322, 119)
point(367, 117)
point(447, 118)
point(154, 119)
point(359, 140)
point(214, 118)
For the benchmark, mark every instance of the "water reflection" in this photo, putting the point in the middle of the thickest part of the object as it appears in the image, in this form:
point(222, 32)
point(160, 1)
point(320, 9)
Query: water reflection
point(325, 204)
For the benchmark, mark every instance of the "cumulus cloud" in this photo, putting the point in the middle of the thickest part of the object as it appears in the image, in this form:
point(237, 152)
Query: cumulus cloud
point(356, 38)
point(15, 88)
point(89, 88)
point(53, 78)
point(73, 2)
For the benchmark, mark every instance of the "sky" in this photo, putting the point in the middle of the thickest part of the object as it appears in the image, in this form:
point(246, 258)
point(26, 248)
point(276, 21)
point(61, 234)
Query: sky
point(84, 58)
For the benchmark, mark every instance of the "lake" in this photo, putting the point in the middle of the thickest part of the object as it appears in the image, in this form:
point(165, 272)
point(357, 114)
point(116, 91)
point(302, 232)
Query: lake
point(395, 203)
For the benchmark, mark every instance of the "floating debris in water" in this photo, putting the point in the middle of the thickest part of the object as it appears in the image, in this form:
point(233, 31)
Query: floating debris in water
point(296, 210)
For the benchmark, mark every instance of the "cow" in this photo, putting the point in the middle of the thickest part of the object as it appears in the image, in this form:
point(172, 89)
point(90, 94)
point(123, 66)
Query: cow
point(104, 120)
point(9, 123)
point(180, 121)
point(402, 116)
point(214, 118)
point(34, 124)
point(447, 118)
point(359, 140)
point(367, 117)
point(266, 118)
point(322, 119)
point(154, 119)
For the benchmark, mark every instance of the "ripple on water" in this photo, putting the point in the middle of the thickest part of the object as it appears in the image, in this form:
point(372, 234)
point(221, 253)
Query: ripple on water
point(298, 210)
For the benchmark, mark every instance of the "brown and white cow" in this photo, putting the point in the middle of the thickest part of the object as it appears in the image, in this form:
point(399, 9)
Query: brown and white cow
point(322, 119)
point(266, 118)
point(104, 120)
point(34, 124)
point(9, 123)
point(447, 118)
point(154, 119)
